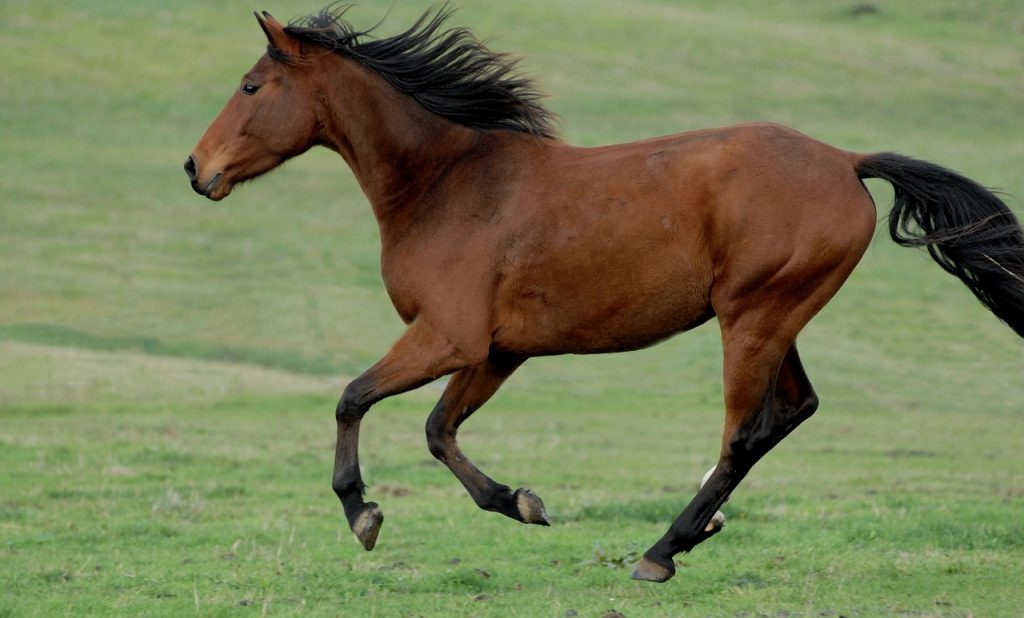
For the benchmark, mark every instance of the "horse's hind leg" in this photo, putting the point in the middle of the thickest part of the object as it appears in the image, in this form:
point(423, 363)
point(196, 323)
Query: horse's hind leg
point(767, 396)
point(718, 519)
point(469, 389)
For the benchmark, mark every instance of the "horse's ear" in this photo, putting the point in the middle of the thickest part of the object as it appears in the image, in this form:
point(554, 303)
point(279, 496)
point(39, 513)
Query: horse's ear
point(276, 36)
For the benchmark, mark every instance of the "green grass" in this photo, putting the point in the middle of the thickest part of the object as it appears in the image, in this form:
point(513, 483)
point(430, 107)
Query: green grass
point(169, 367)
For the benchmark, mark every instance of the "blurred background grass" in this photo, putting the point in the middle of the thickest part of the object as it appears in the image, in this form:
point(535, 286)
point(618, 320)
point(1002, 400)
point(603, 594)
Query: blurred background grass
point(169, 366)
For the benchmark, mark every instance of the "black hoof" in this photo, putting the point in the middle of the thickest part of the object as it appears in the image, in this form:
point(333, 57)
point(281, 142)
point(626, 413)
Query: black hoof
point(531, 508)
point(649, 571)
point(366, 526)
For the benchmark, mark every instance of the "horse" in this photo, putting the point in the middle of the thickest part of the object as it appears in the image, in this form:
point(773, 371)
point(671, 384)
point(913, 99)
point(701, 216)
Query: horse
point(501, 242)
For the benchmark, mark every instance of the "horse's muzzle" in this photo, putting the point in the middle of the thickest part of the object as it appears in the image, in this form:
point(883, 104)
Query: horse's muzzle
point(205, 189)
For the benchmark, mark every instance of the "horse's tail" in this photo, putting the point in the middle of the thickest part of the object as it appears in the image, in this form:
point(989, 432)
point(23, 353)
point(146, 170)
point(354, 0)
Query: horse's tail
point(967, 229)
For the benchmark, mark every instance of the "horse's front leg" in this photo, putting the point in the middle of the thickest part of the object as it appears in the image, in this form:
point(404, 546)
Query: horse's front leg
point(420, 356)
point(469, 389)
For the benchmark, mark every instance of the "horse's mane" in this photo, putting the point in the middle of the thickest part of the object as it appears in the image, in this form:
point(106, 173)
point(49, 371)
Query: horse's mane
point(446, 70)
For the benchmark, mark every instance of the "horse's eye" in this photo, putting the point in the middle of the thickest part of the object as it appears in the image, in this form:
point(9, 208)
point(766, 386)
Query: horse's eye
point(249, 89)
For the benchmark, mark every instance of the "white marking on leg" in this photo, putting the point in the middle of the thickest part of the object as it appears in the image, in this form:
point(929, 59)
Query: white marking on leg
point(716, 523)
point(707, 475)
point(718, 519)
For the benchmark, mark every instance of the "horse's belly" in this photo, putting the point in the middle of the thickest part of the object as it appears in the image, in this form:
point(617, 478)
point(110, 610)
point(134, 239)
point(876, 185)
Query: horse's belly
point(590, 315)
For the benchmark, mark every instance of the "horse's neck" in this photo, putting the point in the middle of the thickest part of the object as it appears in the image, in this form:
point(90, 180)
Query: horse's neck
point(396, 148)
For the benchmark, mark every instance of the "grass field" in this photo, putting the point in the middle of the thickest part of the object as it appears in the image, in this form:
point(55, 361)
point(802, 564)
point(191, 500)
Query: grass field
point(169, 367)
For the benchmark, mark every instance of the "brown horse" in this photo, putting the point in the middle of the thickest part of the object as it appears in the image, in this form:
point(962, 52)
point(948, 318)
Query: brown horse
point(501, 242)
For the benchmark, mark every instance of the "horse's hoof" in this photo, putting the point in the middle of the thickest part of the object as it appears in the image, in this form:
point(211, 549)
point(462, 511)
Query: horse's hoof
point(366, 527)
point(649, 571)
point(531, 508)
point(716, 524)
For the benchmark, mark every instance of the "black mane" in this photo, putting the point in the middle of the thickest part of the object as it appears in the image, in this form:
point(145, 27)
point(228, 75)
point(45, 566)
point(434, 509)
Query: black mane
point(447, 71)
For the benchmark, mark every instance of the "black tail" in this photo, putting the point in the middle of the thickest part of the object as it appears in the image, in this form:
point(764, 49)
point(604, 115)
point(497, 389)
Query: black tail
point(969, 231)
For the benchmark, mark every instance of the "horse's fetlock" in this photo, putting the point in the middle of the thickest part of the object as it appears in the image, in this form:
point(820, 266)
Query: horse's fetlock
point(497, 497)
point(344, 486)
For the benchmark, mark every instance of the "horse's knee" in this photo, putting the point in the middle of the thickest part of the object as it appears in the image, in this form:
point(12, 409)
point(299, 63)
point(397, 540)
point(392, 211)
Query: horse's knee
point(436, 441)
point(351, 407)
point(346, 413)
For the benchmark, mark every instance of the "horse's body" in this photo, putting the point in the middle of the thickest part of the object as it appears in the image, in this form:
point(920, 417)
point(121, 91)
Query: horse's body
point(500, 242)
point(654, 223)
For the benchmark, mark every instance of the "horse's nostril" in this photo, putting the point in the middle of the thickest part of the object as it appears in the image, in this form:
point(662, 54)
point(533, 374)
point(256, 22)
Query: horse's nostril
point(190, 168)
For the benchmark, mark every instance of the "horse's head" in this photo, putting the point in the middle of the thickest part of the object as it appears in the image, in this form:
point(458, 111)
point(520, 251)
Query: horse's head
point(269, 119)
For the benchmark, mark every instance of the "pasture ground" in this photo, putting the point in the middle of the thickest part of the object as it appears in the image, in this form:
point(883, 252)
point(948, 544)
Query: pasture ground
point(169, 367)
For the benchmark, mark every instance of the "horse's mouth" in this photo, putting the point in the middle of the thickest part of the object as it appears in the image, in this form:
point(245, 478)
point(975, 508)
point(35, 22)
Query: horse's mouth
point(215, 189)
